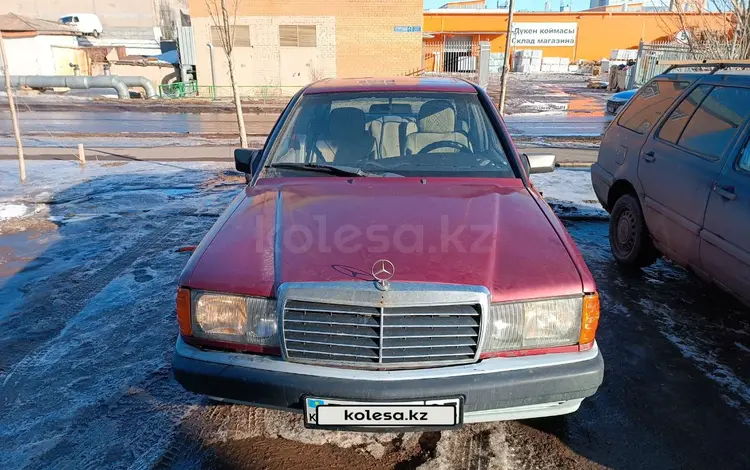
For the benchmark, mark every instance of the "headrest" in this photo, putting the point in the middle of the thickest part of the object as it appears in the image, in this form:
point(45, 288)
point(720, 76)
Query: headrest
point(437, 116)
point(346, 121)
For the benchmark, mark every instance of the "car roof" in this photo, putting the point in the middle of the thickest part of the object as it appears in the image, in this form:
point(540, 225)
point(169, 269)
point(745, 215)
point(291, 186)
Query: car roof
point(404, 84)
point(729, 75)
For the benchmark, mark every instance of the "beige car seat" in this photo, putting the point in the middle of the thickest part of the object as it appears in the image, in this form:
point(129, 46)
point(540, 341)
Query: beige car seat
point(436, 123)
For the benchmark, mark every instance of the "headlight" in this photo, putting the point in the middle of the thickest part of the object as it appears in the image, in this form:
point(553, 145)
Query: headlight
point(534, 324)
point(234, 318)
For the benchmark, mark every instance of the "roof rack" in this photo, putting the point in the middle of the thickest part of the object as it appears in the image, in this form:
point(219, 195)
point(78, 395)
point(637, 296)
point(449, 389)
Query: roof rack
point(715, 64)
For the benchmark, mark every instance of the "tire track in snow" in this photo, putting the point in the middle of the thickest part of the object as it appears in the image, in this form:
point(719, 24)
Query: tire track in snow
point(21, 355)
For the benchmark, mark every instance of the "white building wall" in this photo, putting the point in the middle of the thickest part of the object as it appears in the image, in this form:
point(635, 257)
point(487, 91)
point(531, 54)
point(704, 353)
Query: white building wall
point(23, 56)
point(266, 67)
point(34, 56)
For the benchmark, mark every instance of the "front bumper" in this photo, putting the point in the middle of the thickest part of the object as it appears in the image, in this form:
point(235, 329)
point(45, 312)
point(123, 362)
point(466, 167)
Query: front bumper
point(493, 389)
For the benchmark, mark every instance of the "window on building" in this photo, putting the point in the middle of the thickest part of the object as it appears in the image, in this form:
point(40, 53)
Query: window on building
point(650, 104)
point(675, 123)
point(241, 34)
point(297, 35)
point(716, 121)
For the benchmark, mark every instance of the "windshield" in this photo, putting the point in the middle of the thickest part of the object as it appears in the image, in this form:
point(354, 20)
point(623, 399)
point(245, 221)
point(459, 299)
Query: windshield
point(408, 134)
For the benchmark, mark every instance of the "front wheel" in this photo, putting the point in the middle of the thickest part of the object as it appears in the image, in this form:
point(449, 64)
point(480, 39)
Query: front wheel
point(629, 238)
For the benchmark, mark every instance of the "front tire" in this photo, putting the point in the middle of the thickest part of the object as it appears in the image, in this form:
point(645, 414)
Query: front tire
point(629, 238)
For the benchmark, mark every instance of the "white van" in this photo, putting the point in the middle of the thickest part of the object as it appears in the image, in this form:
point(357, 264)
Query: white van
point(86, 23)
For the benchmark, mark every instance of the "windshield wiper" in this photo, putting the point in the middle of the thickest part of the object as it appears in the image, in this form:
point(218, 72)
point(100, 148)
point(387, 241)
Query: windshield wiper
point(322, 168)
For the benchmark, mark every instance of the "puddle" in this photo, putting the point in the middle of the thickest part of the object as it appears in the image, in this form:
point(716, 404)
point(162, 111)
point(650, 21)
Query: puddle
point(19, 249)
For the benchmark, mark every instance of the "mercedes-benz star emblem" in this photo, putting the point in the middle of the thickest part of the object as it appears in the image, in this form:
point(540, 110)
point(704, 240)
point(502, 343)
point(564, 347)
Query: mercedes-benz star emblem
point(383, 270)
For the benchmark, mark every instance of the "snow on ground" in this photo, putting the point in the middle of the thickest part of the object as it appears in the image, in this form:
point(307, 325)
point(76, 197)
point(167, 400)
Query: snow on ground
point(86, 320)
point(12, 211)
point(569, 192)
point(703, 353)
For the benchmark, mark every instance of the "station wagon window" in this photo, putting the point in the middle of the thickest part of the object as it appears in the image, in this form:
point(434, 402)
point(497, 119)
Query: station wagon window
point(675, 123)
point(650, 104)
point(716, 121)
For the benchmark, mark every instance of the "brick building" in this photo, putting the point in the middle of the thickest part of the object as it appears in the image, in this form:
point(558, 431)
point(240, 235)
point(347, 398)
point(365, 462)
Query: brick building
point(290, 43)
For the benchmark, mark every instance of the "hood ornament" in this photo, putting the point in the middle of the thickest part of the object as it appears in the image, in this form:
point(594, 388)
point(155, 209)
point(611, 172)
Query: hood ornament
point(383, 270)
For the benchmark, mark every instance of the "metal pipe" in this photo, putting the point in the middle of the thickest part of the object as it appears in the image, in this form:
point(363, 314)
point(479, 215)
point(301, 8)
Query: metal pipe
point(67, 81)
point(141, 82)
point(213, 71)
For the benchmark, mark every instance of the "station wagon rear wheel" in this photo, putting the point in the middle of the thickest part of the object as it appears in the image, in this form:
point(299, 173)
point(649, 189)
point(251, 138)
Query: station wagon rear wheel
point(628, 235)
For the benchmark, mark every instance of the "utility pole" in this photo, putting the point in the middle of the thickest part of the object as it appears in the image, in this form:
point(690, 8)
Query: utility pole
point(506, 61)
point(12, 104)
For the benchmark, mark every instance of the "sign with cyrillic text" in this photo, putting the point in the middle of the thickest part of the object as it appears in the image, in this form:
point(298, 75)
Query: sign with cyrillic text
point(544, 34)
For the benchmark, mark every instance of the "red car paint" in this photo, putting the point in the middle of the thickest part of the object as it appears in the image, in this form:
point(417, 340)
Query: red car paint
point(518, 248)
point(525, 252)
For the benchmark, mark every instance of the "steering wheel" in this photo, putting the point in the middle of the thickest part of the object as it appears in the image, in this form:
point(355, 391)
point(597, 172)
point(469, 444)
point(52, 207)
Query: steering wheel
point(444, 144)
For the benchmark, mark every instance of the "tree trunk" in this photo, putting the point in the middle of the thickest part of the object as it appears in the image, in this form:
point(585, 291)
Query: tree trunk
point(237, 104)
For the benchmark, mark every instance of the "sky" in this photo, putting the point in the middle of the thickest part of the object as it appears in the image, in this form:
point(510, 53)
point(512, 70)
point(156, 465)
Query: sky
point(528, 5)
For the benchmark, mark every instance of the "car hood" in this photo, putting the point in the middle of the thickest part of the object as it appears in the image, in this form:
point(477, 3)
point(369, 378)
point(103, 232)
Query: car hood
point(482, 232)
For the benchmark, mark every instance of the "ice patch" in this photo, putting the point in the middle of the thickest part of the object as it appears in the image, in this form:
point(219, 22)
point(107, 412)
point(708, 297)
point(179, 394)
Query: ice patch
point(570, 193)
point(544, 105)
point(704, 360)
point(12, 211)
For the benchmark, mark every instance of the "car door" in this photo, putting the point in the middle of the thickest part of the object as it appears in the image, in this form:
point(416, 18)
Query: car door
point(725, 238)
point(679, 164)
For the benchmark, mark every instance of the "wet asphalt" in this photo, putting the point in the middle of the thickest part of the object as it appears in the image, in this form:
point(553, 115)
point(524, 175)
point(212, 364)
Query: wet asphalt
point(47, 125)
point(87, 329)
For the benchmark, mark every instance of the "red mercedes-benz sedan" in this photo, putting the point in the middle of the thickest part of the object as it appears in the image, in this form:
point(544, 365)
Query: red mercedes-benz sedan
point(390, 266)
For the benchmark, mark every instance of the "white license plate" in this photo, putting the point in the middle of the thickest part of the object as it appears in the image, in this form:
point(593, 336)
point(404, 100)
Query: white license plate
point(330, 413)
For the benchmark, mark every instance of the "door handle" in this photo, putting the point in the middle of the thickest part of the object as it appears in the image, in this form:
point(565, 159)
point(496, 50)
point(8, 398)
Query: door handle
point(649, 156)
point(727, 192)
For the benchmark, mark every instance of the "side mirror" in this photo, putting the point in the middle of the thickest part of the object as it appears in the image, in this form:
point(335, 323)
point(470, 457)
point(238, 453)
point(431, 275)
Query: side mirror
point(246, 159)
point(540, 163)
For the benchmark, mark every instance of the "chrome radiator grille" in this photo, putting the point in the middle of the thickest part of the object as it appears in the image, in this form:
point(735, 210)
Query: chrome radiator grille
point(375, 337)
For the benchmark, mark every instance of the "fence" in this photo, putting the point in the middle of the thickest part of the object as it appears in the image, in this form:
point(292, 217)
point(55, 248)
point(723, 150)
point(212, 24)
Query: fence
point(264, 93)
point(649, 55)
point(451, 57)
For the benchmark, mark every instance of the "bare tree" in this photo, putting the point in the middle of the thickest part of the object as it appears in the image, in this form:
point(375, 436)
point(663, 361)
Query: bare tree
point(717, 30)
point(225, 21)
